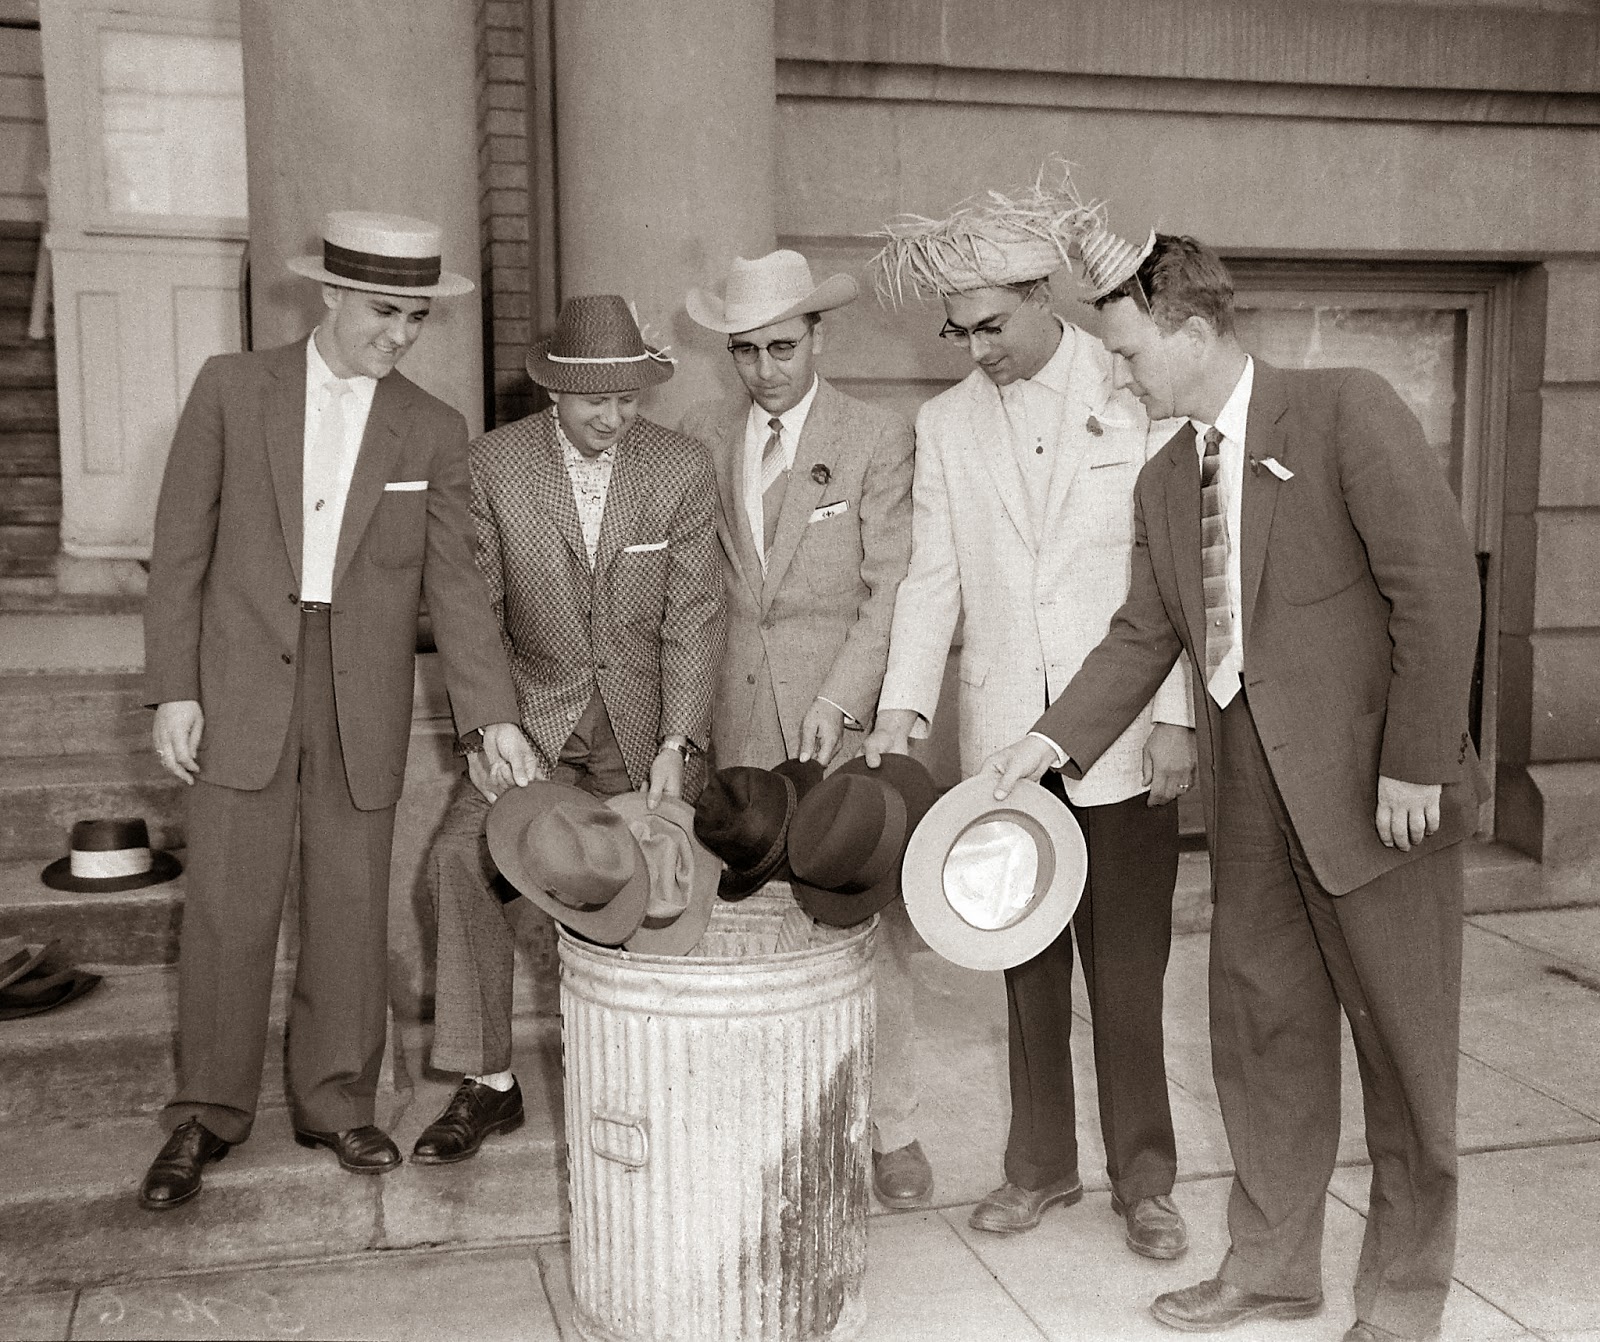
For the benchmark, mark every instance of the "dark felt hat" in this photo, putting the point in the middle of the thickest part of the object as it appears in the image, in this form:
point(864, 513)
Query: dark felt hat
point(743, 816)
point(108, 856)
point(596, 350)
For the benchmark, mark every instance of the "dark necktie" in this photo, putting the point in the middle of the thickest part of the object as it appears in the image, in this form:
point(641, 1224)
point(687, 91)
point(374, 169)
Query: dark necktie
point(1220, 632)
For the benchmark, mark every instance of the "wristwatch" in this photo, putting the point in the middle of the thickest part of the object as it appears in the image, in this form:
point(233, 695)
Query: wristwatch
point(686, 748)
point(470, 743)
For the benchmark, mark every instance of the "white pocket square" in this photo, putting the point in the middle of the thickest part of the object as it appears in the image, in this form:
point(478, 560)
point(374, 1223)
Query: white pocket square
point(644, 549)
point(406, 485)
point(828, 510)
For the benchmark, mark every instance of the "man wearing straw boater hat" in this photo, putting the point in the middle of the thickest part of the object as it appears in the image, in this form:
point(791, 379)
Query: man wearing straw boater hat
point(313, 495)
point(814, 518)
point(595, 534)
point(1024, 522)
point(1304, 546)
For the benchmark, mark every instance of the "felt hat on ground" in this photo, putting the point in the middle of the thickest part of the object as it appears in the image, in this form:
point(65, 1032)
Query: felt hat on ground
point(850, 833)
point(32, 981)
point(990, 884)
point(770, 289)
point(597, 350)
point(743, 816)
point(573, 856)
point(683, 874)
point(110, 855)
point(18, 958)
point(383, 254)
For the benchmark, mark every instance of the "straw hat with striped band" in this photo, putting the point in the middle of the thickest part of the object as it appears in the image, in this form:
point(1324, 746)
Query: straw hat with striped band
point(110, 856)
point(596, 350)
point(381, 253)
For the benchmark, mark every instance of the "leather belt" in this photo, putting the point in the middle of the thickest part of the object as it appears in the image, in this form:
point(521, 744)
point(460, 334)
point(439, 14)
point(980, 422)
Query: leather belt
point(316, 607)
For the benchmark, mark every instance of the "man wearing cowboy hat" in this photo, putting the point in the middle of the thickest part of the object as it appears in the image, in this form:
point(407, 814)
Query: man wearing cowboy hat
point(1024, 524)
point(311, 497)
point(595, 535)
point(814, 519)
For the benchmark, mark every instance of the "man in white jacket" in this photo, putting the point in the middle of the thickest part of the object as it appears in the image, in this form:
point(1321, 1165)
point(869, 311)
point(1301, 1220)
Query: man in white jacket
point(1023, 518)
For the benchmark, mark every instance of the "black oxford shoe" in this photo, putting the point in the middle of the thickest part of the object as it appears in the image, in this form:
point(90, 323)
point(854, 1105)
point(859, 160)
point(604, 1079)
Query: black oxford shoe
point(363, 1150)
point(1155, 1226)
point(1212, 1305)
point(174, 1175)
point(902, 1178)
point(475, 1111)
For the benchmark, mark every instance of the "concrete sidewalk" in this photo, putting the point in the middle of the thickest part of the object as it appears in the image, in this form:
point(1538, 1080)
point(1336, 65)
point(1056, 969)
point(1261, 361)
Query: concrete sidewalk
point(1528, 1267)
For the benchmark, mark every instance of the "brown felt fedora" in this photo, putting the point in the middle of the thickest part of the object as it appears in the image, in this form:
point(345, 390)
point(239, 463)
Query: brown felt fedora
point(683, 874)
point(596, 350)
point(743, 816)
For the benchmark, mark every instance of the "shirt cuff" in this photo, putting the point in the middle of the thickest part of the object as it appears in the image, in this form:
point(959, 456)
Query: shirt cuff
point(849, 717)
point(1061, 756)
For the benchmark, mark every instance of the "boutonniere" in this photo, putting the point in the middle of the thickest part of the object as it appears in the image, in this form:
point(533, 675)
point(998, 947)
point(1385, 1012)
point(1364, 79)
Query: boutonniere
point(1093, 425)
point(1273, 465)
point(821, 474)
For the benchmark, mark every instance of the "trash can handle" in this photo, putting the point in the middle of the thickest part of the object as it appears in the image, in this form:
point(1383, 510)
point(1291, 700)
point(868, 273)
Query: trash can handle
point(620, 1138)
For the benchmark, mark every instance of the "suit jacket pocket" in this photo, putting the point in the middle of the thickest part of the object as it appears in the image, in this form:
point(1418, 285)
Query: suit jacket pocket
point(638, 581)
point(398, 534)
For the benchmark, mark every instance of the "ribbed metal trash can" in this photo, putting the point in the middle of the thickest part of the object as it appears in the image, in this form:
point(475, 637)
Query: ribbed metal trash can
point(717, 1140)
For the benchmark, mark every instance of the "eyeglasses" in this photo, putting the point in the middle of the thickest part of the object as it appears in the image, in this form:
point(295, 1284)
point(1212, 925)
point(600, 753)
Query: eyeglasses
point(781, 350)
point(991, 328)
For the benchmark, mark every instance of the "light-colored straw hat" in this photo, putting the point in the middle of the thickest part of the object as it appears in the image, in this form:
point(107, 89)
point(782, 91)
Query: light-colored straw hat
point(1109, 262)
point(770, 289)
point(381, 253)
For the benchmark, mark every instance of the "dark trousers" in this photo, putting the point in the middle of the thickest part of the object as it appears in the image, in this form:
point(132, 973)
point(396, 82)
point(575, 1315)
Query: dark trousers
point(1285, 958)
point(1124, 930)
point(240, 848)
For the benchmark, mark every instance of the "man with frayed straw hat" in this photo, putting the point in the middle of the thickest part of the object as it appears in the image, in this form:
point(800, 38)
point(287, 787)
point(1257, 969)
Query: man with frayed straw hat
point(814, 517)
point(312, 497)
point(595, 534)
point(1024, 521)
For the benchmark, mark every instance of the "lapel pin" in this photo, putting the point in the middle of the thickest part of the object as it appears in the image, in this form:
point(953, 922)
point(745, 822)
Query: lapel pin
point(821, 474)
point(1093, 425)
point(1273, 465)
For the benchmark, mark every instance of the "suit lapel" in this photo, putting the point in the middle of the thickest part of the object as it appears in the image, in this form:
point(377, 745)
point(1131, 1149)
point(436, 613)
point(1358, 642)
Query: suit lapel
point(1183, 531)
point(992, 444)
point(550, 488)
point(380, 446)
point(622, 506)
point(285, 429)
point(1264, 437)
point(1087, 390)
point(728, 456)
point(819, 445)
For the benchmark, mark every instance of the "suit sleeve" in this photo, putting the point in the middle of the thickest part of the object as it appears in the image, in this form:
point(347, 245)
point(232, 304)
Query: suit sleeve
point(856, 675)
point(694, 624)
point(1422, 562)
point(185, 537)
point(1173, 702)
point(466, 630)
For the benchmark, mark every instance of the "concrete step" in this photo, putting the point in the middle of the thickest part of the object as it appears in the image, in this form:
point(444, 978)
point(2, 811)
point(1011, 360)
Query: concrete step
point(31, 500)
point(42, 795)
point(14, 328)
point(73, 714)
point(16, 288)
point(28, 409)
point(69, 1214)
point(127, 928)
point(33, 365)
point(25, 565)
point(43, 596)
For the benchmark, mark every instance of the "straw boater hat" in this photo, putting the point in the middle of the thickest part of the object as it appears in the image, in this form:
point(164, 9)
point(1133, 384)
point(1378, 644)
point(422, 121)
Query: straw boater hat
point(383, 254)
point(743, 816)
point(989, 240)
point(596, 349)
point(768, 290)
point(990, 884)
point(683, 874)
point(108, 856)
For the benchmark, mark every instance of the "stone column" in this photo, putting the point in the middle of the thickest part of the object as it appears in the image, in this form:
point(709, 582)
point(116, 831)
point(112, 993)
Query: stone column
point(366, 105)
point(666, 118)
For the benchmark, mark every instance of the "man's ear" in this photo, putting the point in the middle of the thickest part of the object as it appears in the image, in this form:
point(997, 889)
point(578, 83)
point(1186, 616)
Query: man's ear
point(816, 339)
point(332, 297)
point(1199, 330)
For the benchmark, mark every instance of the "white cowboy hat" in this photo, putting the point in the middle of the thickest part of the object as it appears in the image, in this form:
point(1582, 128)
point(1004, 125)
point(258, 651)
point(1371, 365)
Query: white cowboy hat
point(770, 289)
point(382, 254)
point(990, 884)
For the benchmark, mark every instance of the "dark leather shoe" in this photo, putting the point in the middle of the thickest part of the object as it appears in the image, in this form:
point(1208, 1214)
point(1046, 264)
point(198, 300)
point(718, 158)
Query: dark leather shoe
point(363, 1150)
point(174, 1175)
point(1155, 1226)
point(902, 1177)
point(474, 1112)
point(1213, 1305)
point(1010, 1208)
point(1362, 1331)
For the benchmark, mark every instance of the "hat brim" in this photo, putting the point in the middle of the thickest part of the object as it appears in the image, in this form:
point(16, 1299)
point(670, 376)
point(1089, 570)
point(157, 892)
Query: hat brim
point(45, 994)
point(920, 792)
point(737, 885)
point(35, 956)
point(710, 309)
point(58, 876)
point(597, 379)
point(448, 285)
point(922, 875)
point(611, 924)
point(683, 933)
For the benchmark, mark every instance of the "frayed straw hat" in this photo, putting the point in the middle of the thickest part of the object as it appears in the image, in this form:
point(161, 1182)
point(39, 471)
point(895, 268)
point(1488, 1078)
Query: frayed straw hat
point(383, 254)
point(1109, 262)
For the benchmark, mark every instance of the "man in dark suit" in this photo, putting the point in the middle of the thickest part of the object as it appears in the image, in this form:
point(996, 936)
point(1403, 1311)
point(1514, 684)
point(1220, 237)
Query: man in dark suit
point(595, 535)
point(1299, 539)
point(312, 495)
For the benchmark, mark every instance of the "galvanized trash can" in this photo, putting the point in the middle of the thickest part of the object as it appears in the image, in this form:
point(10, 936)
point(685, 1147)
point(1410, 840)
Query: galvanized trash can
point(716, 1109)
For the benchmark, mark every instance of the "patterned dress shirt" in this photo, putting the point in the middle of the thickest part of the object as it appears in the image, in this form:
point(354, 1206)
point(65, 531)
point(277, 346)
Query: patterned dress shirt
point(591, 481)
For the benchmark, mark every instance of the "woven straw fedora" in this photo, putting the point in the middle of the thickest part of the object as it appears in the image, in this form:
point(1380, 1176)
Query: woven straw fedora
point(596, 350)
point(382, 254)
point(683, 874)
point(772, 288)
point(990, 884)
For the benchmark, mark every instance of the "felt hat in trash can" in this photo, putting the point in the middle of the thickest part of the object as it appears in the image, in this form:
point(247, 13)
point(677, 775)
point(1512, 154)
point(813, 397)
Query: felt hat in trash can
point(683, 874)
point(990, 884)
point(850, 833)
point(573, 856)
point(743, 816)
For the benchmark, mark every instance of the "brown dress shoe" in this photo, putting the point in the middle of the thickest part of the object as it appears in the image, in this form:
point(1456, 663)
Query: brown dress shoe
point(474, 1112)
point(1362, 1331)
point(902, 1177)
point(1010, 1208)
point(363, 1150)
point(1210, 1306)
point(174, 1175)
point(1155, 1226)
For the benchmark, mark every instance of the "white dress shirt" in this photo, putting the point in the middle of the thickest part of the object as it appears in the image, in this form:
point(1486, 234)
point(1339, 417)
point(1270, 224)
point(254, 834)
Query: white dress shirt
point(1033, 407)
point(1224, 682)
point(325, 484)
point(590, 478)
point(757, 429)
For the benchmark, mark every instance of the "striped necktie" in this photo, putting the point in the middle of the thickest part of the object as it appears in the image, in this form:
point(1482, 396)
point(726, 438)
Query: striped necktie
point(1220, 634)
point(774, 483)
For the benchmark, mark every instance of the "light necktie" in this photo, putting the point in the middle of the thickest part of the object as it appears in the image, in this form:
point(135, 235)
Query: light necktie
point(322, 474)
point(1221, 635)
point(774, 483)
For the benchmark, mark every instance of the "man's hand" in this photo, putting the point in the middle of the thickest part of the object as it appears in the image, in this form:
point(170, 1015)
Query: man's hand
point(176, 735)
point(1407, 812)
point(890, 735)
point(666, 776)
point(508, 756)
point(821, 730)
point(483, 777)
point(1027, 758)
point(1168, 762)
